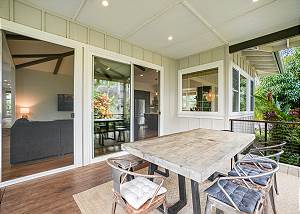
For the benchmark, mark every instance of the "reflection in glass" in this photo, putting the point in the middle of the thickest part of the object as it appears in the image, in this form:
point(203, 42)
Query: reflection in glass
point(235, 90)
point(243, 93)
point(146, 103)
point(200, 91)
point(111, 102)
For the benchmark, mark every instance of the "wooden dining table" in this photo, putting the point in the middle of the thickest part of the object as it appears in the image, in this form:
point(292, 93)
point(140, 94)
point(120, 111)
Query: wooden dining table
point(195, 154)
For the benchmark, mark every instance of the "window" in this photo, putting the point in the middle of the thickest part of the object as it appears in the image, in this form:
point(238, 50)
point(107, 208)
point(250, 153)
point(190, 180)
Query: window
point(243, 93)
point(235, 90)
point(251, 95)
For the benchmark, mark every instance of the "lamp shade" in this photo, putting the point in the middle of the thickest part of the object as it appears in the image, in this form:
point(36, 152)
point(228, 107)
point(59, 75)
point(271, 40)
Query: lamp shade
point(24, 110)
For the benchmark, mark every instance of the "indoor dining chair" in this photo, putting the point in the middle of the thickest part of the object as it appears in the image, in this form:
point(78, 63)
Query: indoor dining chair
point(235, 194)
point(134, 192)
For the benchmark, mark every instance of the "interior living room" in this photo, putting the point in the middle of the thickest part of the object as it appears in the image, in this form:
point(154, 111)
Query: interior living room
point(37, 126)
point(161, 106)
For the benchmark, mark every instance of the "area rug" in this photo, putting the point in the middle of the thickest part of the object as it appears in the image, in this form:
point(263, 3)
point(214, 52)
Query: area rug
point(98, 199)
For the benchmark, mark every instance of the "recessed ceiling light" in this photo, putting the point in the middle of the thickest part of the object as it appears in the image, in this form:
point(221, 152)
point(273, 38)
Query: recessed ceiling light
point(255, 0)
point(105, 3)
point(108, 68)
point(170, 38)
point(141, 75)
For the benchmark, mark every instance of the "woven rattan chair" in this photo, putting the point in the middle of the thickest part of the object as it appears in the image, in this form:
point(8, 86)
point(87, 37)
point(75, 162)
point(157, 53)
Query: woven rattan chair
point(235, 194)
point(137, 194)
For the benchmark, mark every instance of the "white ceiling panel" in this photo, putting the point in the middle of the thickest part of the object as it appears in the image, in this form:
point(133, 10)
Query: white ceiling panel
point(274, 17)
point(191, 46)
point(217, 12)
point(121, 18)
point(178, 22)
point(63, 7)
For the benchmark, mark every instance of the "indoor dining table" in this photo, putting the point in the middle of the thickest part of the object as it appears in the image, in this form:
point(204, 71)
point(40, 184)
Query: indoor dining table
point(195, 154)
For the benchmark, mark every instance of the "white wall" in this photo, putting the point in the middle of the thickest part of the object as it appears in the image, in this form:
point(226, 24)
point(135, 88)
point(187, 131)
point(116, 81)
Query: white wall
point(38, 91)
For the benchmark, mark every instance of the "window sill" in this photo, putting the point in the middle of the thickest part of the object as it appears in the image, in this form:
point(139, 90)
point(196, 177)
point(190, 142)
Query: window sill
point(202, 115)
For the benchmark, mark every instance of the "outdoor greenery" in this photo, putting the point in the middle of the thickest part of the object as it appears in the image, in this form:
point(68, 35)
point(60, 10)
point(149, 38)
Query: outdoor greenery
point(277, 98)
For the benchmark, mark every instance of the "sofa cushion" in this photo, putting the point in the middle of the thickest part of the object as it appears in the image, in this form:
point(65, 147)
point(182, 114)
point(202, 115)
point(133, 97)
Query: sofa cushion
point(245, 199)
point(139, 190)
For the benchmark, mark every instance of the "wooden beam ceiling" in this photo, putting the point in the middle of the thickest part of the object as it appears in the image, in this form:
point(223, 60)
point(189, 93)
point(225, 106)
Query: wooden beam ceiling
point(47, 59)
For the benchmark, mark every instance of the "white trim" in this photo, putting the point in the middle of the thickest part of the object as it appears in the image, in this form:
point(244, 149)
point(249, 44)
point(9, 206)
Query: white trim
point(105, 157)
point(220, 114)
point(238, 114)
point(89, 52)
point(1, 116)
point(78, 93)
point(34, 176)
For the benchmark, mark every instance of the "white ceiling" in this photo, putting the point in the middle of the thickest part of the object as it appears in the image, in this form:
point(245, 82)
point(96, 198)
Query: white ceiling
point(196, 25)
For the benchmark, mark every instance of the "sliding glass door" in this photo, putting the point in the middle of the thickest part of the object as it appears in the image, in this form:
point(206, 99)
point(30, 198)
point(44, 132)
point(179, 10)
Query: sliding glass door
point(111, 105)
point(146, 102)
point(37, 91)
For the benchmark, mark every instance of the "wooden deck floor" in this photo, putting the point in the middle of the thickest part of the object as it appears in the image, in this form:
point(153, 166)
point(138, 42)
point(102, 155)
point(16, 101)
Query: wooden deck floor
point(53, 194)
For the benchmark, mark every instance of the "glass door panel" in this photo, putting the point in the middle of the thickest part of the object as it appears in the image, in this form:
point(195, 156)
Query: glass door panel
point(111, 103)
point(146, 103)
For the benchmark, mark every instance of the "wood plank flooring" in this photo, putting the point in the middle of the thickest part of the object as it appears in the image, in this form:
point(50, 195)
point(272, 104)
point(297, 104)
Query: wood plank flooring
point(19, 170)
point(53, 194)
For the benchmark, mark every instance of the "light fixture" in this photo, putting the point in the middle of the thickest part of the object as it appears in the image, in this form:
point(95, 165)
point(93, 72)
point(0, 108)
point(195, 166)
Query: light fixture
point(105, 3)
point(170, 38)
point(141, 75)
point(108, 68)
point(255, 0)
point(24, 111)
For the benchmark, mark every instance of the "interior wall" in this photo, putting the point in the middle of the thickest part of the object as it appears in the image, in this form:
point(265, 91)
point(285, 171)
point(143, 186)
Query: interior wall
point(38, 90)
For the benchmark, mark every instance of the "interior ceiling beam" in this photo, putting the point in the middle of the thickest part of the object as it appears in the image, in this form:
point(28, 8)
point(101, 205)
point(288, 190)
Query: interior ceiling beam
point(46, 59)
point(78, 11)
point(188, 6)
point(104, 67)
point(272, 37)
point(57, 66)
point(19, 37)
point(35, 55)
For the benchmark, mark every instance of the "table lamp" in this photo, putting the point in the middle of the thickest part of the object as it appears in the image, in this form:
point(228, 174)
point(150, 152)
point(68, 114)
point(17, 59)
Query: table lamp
point(24, 111)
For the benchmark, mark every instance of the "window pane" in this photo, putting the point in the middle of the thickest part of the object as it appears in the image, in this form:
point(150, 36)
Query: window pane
point(200, 91)
point(235, 88)
point(252, 96)
point(235, 100)
point(243, 93)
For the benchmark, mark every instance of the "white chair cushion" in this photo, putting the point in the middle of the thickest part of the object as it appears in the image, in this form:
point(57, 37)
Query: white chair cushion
point(139, 190)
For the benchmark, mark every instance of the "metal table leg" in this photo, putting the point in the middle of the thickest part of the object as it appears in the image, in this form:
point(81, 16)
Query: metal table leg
point(195, 197)
point(175, 208)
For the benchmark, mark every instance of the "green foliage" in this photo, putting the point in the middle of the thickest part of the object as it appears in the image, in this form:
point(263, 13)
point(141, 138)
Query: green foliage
point(285, 89)
point(292, 63)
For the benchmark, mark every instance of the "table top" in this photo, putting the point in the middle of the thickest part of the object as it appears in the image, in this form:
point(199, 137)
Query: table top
point(195, 154)
point(108, 120)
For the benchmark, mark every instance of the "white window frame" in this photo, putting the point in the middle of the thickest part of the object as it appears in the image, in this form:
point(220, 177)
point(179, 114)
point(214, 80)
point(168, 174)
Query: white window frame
point(230, 94)
point(221, 88)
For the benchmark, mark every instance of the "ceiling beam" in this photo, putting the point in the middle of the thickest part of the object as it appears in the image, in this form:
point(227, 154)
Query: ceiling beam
point(260, 58)
point(188, 6)
point(57, 66)
point(46, 59)
point(34, 55)
point(19, 37)
point(272, 37)
point(78, 11)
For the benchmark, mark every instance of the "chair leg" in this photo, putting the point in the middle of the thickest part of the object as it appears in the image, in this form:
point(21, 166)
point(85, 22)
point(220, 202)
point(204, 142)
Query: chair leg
point(208, 206)
point(275, 184)
point(113, 208)
point(165, 207)
point(272, 200)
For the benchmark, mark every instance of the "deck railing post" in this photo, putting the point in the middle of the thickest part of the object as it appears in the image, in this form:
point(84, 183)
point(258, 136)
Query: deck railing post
point(231, 125)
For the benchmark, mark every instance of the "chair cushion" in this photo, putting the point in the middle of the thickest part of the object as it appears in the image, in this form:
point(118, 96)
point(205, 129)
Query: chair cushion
point(245, 199)
point(139, 190)
point(252, 171)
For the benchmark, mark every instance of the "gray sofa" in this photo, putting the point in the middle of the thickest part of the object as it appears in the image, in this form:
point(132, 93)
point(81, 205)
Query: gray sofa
point(32, 140)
